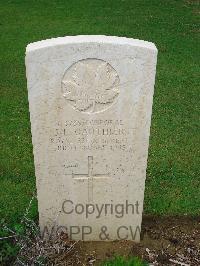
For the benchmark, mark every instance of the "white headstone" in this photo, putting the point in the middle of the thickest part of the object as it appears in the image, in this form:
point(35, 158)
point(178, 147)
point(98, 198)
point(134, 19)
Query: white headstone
point(90, 100)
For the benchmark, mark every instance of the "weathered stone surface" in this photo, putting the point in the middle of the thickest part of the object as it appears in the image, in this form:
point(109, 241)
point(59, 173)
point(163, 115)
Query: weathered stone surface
point(90, 100)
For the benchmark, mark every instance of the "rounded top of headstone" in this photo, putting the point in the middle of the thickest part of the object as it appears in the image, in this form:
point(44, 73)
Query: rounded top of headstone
point(90, 39)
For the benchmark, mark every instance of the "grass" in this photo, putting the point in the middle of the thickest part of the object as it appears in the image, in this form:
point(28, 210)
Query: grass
point(120, 261)
point(173, 182)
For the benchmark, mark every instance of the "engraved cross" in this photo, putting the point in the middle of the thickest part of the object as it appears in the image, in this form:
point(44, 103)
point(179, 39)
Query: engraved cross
point(90, 176)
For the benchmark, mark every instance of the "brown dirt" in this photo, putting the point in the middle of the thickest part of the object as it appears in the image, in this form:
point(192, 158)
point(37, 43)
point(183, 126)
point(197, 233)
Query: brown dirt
point(165, 241)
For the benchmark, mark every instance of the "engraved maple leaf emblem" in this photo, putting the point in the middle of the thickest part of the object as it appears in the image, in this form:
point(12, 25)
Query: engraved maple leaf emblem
point(91, 86)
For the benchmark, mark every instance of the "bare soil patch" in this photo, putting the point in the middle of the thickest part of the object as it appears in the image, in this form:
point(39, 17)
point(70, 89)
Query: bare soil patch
point(165, 241)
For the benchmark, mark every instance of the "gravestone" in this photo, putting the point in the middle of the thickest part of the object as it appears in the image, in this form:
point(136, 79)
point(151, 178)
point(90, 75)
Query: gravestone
point(90, 101)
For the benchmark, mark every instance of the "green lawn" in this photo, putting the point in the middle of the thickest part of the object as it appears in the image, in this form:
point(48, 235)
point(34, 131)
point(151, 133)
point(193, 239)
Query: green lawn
point(173, 183)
